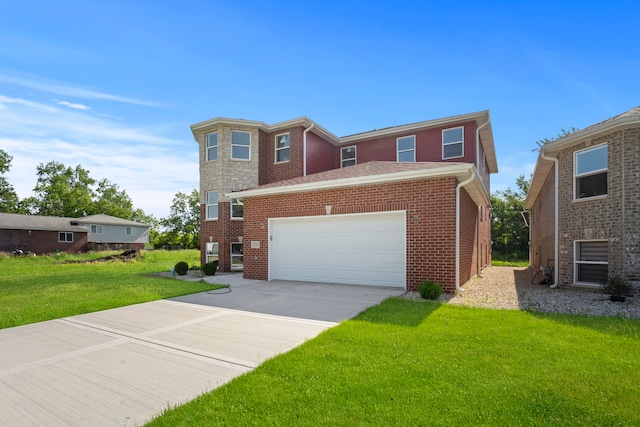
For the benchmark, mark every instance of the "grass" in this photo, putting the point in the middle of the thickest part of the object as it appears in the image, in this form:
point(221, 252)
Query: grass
point(34, 289)
point(509, 263)
point(421, 363)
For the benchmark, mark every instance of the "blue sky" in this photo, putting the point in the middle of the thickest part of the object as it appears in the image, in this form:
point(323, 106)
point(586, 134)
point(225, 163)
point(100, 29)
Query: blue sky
point(114, 86)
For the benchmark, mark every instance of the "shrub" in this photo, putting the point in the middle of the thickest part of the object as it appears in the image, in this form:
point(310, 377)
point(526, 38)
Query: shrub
point(181, 268)
point(430, 290)
point(209, 269)
point(616, 286)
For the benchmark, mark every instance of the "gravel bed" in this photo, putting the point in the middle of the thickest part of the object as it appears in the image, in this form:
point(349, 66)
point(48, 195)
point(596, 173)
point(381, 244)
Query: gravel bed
point(510, 288)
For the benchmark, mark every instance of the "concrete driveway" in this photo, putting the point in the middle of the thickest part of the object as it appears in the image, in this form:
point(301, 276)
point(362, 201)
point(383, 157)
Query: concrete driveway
point(123, 366)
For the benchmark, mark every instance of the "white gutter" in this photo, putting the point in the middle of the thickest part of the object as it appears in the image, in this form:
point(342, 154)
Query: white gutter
point(479, 254)
point(304, 149)
point(556, 273)
point(458, 187)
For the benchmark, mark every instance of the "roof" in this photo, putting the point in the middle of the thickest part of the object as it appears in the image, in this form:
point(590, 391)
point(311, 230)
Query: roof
point(35, 222)
point(480, 117)
point(102, 219)
point(370, 173)
point(617, 123)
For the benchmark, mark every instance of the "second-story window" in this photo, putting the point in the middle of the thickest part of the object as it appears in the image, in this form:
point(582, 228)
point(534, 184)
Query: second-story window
point(453, 143)
point(240, 145)
point(212, 205)
point(212, 146)
point(130, 231)
point(282, 148)
point(590, 172)
point(406, 147)
point(237, 209)
point(347, 156)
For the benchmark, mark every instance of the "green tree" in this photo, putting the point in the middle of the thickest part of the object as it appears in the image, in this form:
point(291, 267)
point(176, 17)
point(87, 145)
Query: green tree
point(62, 191)
point(563, 132)
point(9, 201)
point(110, 200)
point(182, 226)
point(509, 231)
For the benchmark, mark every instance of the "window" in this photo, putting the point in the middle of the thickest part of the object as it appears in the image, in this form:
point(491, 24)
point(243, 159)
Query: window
point(347, 156)
point(65, 237)
point(212, 251)
point(130, 231)
point(212, 205)
point(212, 146)
point(240, 145)
point(452, 143)
point(591, 261)
point(282, 148)
point(96, 229)
point(590, 172)
point(237, 209)
point(406, 148)
point(237, 253)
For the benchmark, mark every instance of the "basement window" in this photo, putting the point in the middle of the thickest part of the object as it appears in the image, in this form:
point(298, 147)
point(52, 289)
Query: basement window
point(590, 172)
point(591, 266)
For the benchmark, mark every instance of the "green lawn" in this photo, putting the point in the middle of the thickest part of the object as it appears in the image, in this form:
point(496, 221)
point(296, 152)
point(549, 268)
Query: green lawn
point(411, 363)
point(33, 289)
point(509, 263)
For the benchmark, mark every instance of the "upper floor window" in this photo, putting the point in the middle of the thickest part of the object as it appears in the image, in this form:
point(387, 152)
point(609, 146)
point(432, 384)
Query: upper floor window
point(240, 145)
point(212, 146)
point(453, 143)
point(347, 156)
point(282, 148)
point(96, 229)
point(406, 148)
point(237, 209)
point(65, 237)
point(130, 231)
point(212, 205)
point(590, 172)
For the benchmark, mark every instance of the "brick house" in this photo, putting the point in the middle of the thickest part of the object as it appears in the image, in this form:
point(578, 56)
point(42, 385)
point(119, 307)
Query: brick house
point(48, 234)
point(584, 201)
point(389, 207)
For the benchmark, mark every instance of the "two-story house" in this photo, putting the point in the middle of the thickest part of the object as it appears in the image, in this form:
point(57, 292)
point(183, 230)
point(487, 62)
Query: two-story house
point(584, 201)
point(389, 207)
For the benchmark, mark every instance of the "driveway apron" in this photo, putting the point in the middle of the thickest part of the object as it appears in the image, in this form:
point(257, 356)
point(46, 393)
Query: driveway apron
point(123, 366)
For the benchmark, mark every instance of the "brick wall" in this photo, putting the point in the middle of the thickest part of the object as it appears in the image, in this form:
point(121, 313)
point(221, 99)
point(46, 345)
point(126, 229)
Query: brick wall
point(321, 154)
point(270, 171)
point(41, 242)
point(430, 207)
point(542, 245)
point(223, 230)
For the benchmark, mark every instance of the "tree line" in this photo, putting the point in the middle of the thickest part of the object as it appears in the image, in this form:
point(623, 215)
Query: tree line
point(71, 192)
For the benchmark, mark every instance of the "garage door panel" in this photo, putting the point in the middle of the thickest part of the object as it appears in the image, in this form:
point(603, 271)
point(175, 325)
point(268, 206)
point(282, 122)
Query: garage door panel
point(351, 249)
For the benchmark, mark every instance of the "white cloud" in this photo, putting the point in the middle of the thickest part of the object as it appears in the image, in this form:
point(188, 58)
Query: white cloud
point(72, 105)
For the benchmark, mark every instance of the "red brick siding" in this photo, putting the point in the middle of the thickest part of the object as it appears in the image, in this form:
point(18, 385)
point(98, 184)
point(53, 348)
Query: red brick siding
point(468, 237)
point(224, 231)
point(321, 154)
point(428, 146)
point(273, 172)
point(430, 207)
point(41, 242)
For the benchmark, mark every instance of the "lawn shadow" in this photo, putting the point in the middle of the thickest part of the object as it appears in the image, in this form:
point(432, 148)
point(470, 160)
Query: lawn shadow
point(399, 311)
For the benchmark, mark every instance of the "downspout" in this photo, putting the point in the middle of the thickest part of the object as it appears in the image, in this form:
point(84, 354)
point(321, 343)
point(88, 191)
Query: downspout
point(458, 187)
point(479, 254)
point(304, 149)
point(556, 273)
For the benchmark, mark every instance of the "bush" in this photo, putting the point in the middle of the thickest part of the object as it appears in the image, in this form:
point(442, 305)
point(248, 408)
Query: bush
point(616, 286)
point(181, 268)
point(210, 268)
point(430, 290)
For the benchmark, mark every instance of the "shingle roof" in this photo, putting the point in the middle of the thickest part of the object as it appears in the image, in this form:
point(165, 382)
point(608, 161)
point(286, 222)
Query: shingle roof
point(35, 222)
point(109, 220)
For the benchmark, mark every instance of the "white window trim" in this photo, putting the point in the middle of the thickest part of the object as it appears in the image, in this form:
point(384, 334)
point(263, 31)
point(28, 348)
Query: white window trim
point(355, 155)
point(235, 218)
point(576, 262)
point(206, 205)
point(594, 172)
point(66, 234)
point(398, 151)
point(97, 227)
point(231, 255)
point(452, 143)
point(212, 256)
point(236, 145)
point(275, 144)
point(207, 147)
point(130, 231)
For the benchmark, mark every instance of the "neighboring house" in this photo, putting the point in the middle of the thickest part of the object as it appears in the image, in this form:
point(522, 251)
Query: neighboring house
point(584, 201)
point(47, 234)
point(389, 207)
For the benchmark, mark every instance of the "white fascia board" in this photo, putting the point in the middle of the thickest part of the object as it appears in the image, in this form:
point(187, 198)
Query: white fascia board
point(460, 171)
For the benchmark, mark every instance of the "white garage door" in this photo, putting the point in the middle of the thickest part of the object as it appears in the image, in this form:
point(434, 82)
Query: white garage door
point(363, 249)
